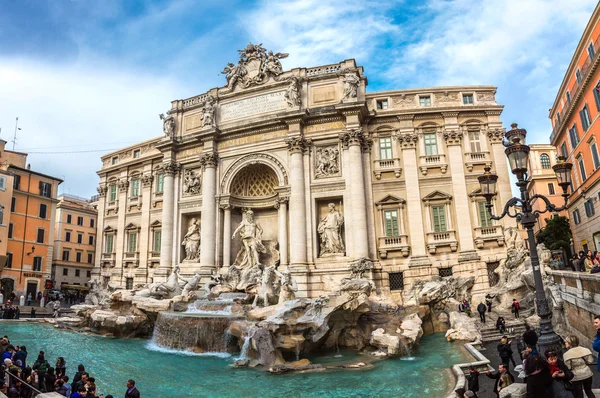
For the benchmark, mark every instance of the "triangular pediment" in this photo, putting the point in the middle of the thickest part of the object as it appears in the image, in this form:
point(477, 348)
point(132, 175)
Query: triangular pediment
point(390, 200)
point(109, 229)
point(131, 226)
point(156, 224)
point(475, 193)
point(437, 195)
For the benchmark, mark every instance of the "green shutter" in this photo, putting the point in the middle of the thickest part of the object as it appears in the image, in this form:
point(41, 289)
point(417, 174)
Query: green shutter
point(391, 223)
point(157, 237)
point(132, 242)
point(484, 216)
point(439, 218)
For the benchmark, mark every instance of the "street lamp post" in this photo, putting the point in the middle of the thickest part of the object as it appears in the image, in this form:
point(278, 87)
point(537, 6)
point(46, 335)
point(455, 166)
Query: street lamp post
point(518, 156)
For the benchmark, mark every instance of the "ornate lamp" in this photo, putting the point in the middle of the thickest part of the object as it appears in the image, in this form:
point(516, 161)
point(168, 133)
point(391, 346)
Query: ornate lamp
point(487, 183)
point(563, 173)
point(518, 157)
point(515, 133)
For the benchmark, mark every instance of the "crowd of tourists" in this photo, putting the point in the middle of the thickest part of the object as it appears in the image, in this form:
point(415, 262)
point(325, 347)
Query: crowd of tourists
point(547, 374)
point(19, 378)
point(586, 262)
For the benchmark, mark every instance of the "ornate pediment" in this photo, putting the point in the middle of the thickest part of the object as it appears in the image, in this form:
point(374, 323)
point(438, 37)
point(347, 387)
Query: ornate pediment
point(254, 67)
point(109, 230)
point(131, 226)
point(437, 195)
point(390, 200)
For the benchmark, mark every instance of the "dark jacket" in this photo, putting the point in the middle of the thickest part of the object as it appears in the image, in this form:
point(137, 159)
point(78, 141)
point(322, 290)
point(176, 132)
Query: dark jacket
point(496, 375)
point(473, 381)
point(76, 378)
point(13, 392)
point(596, 346)
point(21, 355)
point(539, 385)
point(504, 350)
point(481, 308)
point(133, 394)
point(530, 338)
point(62, 390)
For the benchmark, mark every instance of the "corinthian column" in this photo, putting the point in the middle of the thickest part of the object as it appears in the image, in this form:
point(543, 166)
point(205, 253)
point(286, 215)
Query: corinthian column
point(281, 206)
point(459, 187)
point(208, 230)
point(226, 235)
point(408, 142)
point(297, 146)
point(170, 168)
point(354, 140)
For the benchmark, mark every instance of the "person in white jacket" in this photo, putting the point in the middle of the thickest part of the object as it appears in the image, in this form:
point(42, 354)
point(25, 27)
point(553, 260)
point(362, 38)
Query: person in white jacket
point(578, 360)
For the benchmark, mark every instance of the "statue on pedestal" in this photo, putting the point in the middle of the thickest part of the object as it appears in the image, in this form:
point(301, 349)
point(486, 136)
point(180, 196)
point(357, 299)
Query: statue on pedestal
point(191, 241)
point(329, 231)
point(208, 112)
point(168, 124)
point(351, 81)
point(251, 235)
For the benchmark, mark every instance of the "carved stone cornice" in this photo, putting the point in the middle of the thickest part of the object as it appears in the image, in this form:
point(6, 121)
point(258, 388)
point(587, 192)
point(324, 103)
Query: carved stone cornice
point(297, 144)
point(170, 168)
point(408, 140)
point(352, 137)
point(209, 159)
point(450, 114)
point(147, 180)
point(496, 136)
point(493, 113)
point(123, 185)
point(453, 137)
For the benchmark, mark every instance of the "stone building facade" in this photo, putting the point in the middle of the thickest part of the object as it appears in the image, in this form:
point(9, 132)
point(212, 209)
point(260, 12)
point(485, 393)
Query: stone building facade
point(330, 173)
point(74, 243)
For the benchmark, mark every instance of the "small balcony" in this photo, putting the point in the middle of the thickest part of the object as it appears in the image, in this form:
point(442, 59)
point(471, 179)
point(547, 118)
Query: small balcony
point(108, 260)
point(433, 162)
point(394, 243)
point(493, 233)
point(441, 239)
point(131, 259)
point(477, 158)
point(387, 165)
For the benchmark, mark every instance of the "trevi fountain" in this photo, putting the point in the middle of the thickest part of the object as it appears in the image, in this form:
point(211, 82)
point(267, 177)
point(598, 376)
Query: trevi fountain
point(245, 296)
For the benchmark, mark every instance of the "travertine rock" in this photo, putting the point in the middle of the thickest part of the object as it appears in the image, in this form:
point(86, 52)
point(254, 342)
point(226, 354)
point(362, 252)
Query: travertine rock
point(385, 341)
point(462, 327)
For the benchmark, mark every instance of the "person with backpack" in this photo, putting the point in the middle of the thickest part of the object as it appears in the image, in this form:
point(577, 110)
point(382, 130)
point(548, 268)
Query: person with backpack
point(482, 308)
point(515, 308)
point(41, 366)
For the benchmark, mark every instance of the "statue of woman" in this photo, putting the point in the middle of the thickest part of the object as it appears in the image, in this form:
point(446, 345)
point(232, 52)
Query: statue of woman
point(191, 241)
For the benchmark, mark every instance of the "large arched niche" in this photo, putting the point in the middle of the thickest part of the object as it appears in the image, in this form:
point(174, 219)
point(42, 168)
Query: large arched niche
point(274, 164)
point(254, 181)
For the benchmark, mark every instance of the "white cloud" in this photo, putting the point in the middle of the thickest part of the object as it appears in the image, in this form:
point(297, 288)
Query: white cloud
point(79, 108)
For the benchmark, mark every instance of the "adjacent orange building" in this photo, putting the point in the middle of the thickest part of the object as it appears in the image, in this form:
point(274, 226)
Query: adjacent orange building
point(28, 204)
point(542, 180)
point(576, 134)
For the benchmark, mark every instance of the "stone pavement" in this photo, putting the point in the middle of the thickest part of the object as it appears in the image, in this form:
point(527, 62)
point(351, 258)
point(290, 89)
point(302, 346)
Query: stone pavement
point(486, 385)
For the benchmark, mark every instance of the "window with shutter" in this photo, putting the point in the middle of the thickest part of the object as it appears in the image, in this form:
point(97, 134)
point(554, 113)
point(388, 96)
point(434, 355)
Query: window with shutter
point(40, 235)
point(109, 243)
point(391, 223)
point(430, 140)
point(160, 183)
point(597, 96)
point(563, 149)
point(484, 215)
point(2, 183)
point(438, 214)
point(37, 263)
point(135, 187)
point(595, 157)
point(475, 141)
point(157, 238)
point(43, 210)
point(16, 181)
point(113, 192)
point(385, 148)
point(132, 242)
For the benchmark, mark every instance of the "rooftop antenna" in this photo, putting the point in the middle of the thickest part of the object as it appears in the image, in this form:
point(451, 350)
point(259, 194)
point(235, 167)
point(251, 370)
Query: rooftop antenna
point(14, 140)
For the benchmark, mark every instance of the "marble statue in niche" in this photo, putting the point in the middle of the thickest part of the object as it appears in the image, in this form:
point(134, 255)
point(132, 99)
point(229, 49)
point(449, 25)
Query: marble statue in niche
point(168, 124)
point(327, 161)
point(329, 230)
point(251, 236)
point(351, 81)
point(191, 182)
point(191, 241)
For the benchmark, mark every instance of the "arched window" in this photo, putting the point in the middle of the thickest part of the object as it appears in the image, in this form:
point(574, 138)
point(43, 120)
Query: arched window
point(545, 161)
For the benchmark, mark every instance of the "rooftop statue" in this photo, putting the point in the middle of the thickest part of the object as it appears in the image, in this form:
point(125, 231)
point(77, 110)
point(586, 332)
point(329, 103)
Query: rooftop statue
point(254, 67)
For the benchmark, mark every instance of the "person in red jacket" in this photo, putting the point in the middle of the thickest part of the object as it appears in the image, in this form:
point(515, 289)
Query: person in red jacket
point(515, 308)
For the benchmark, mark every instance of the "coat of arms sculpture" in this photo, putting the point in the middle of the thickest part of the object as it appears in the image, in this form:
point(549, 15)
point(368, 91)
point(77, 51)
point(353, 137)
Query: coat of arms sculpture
point(254, 67)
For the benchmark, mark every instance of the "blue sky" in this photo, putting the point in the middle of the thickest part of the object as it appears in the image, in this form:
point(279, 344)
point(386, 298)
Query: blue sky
point(86, 74)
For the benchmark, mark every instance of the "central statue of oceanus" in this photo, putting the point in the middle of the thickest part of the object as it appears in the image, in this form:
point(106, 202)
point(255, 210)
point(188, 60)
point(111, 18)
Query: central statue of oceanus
point(251, 235)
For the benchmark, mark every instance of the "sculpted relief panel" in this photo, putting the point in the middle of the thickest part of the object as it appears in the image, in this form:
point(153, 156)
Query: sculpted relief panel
point(327, 161)
point(191, 182)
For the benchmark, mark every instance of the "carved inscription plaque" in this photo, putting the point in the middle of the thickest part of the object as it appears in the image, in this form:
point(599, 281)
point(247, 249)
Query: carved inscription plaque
point(323, 94)
point(253, 106)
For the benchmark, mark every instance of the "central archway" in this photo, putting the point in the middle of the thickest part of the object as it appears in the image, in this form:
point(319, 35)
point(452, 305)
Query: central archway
point(255, 180)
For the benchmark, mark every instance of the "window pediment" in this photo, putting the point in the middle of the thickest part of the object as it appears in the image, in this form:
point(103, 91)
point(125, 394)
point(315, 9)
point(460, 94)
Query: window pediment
point(390, 200)
point(437, 196)
point(131, 227)
point(109, 230)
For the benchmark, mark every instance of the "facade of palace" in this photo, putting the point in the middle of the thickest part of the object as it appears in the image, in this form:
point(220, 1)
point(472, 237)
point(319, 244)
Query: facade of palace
point(306, 170)
point(576, 134)
point(74, 243)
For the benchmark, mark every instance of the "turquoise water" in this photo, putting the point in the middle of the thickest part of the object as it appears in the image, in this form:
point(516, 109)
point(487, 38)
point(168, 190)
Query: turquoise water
point(167, 374)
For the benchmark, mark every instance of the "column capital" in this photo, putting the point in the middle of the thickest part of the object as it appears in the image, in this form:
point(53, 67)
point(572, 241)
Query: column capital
point(225, 206)
point(453, 137)
point(147, 179)
point(408, 140)
point(170, 167)
point(281, 200)
point(123, 184)
point(102, 190)
point(209, 159)
point(297, 144)
point(496, 136)
point(352, 137)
